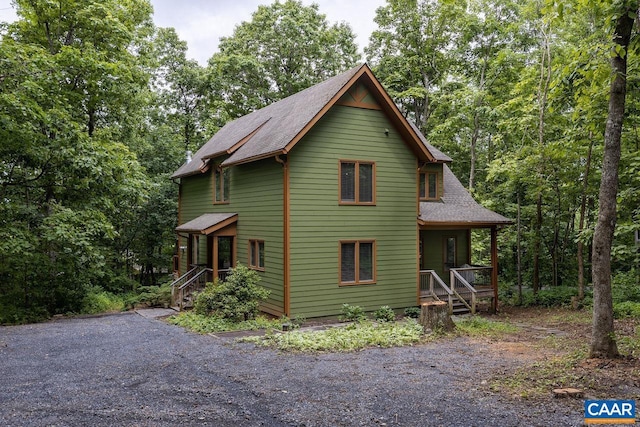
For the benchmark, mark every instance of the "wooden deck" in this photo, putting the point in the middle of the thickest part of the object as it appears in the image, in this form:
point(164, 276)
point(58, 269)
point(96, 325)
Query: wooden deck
point(462, 293)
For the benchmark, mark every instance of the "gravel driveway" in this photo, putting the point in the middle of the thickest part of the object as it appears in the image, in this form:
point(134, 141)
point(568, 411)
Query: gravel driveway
point(128, 370)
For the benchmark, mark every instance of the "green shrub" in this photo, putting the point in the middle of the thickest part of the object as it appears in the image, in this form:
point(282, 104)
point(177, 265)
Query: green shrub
point(626, 309)
point(559, 296)
point(10, 314)
point(624, 287)
point(384, 314)
point(98, 301)
point(237, 298)
point(413, 312)
point(352, 313)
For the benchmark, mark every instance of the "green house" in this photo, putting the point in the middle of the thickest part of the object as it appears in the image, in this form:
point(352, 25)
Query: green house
point(333, 197)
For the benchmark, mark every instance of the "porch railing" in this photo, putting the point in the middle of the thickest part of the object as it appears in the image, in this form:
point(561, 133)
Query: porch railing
point(431, 285)
point(470, 283)
point(194, 280)
point(463, 290)
point(222, 274)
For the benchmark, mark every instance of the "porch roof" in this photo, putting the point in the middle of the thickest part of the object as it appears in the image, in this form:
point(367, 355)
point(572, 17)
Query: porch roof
point(208, 223)
point(457, 208)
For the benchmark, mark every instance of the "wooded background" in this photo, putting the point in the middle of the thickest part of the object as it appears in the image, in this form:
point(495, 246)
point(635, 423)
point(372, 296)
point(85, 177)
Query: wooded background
point(98, 106)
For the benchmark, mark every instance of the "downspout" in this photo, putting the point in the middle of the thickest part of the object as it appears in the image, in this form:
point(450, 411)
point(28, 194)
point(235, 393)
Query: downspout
point(287, 236)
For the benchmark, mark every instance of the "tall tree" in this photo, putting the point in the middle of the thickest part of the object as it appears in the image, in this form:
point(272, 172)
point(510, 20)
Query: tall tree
point(603, 343)
point(286, 47)
point(67, 83)
point(412, 51)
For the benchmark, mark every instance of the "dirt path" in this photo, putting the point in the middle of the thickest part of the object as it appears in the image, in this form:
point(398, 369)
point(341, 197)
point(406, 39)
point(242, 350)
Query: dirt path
point(129, 370)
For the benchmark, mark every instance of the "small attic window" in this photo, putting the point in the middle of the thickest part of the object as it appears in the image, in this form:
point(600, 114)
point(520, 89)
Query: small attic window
point(429, 186)
point(221, 185)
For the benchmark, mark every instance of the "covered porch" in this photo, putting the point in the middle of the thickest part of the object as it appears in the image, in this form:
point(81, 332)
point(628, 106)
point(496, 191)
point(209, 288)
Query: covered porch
point(210, 252)
point(446, 272)
point(446, 269)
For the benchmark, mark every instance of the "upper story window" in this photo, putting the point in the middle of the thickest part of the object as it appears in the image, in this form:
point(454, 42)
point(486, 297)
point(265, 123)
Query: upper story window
point(256, 254)
point(221, 185)
point(428, 186)
point(357, 182)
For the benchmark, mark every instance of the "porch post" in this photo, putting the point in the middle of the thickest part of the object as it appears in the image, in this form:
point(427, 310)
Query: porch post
point(494, 267)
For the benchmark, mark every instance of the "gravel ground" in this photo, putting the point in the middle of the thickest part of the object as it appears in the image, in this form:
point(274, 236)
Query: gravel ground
point(129, 370)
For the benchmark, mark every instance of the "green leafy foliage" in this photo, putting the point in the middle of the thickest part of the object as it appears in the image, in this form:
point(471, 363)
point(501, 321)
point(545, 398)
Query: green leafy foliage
point(549, 297)
point(626, 309)
point(353, 337)
point(480, 326)
point(413, 312)
point(625, 287)
point(384, 314)
point(237, 298)
point(352, 313)
point(98, 301)
point(205, 324)
point(286, 47)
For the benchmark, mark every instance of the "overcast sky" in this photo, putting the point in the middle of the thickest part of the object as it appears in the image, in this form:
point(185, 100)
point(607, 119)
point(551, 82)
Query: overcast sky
point(201, 23)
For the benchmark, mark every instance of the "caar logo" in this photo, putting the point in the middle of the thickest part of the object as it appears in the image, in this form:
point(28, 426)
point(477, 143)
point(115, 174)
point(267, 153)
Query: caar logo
point(609, 411)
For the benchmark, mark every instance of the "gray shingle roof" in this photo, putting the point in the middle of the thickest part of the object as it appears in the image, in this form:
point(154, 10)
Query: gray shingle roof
point(269, 130)
point(457, 206)
point(204, 222)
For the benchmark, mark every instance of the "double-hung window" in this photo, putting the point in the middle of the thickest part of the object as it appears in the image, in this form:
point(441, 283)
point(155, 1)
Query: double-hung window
point(357, 262)
point(221, 185)
point(256, 254)
point(357, 182)
point(428, 186)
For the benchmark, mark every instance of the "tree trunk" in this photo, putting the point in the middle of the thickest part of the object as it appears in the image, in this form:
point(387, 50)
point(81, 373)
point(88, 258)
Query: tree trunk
point(603, 343)
point(583, 209)
point(519, 250)
point(435, 316)
point(543, 91)
point(536, 245)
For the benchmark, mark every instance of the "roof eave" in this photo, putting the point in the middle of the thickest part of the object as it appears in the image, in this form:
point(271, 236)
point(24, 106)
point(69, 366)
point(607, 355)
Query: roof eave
point(463, 224)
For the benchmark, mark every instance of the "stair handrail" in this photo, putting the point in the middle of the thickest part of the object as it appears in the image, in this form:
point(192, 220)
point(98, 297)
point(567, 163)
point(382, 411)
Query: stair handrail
point(194, 278)
point(186, 275)
point(434, 279)
point(455, 275)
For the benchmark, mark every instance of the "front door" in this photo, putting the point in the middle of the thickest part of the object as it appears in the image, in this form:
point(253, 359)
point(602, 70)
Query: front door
point(225, 259)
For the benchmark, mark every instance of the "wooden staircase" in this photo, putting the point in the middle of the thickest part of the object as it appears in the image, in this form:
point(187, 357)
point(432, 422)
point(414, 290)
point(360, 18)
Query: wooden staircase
point(461, 296)
point(184, 288)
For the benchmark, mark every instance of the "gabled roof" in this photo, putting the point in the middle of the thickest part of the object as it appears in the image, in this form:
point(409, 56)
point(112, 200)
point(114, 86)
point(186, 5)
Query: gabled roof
point(208, 223)
point(276, 128)
point(457, 207)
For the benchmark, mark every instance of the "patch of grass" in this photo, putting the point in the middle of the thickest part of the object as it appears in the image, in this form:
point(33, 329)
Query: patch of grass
point(205, 324)
point(565, 316)
point(477, 326)
point(540, 378)
point(630, 345)
point(353, 337)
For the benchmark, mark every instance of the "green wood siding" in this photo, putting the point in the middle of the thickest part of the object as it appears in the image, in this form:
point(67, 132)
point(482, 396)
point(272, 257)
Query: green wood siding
point(256, 195)
point(433, 242)
point(196, 200)
point(318, 222)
